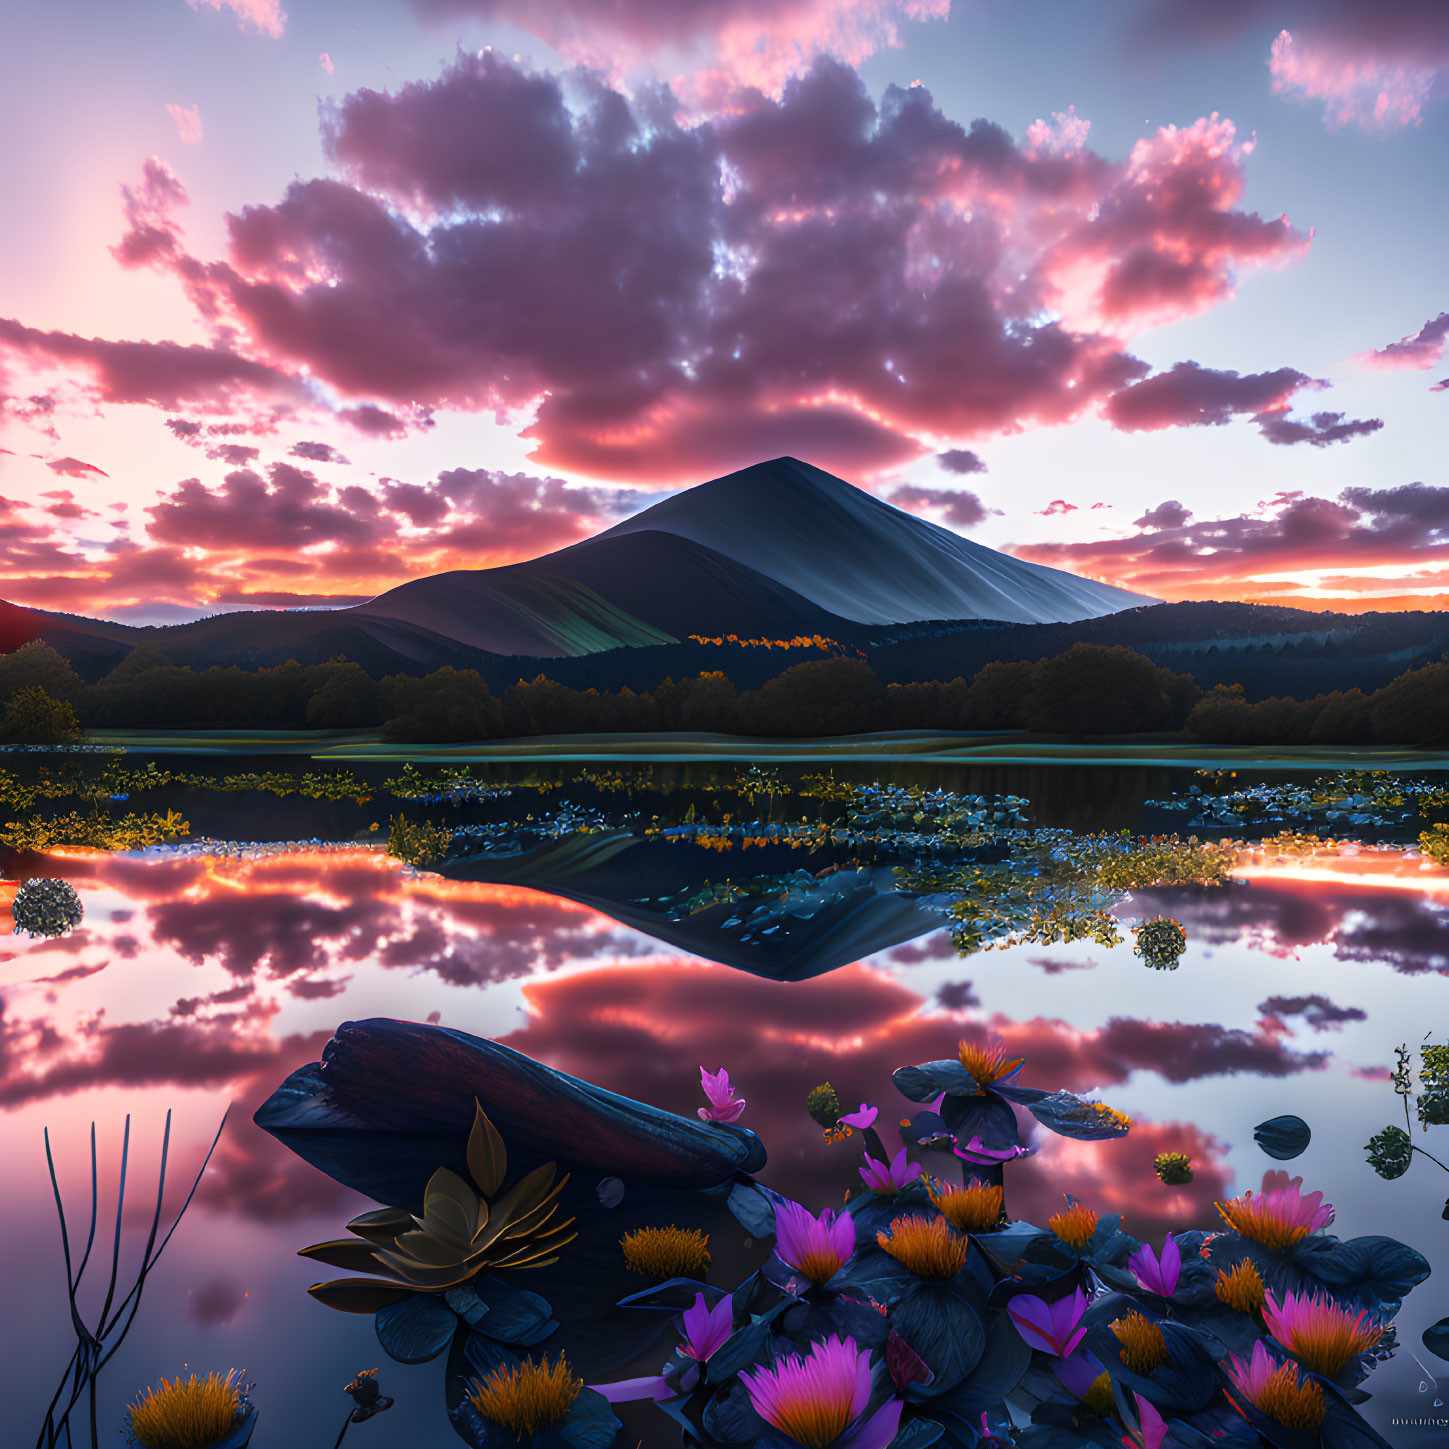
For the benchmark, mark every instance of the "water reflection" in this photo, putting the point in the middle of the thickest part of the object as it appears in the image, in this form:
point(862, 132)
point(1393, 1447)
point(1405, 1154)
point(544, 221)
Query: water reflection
point(195, 981)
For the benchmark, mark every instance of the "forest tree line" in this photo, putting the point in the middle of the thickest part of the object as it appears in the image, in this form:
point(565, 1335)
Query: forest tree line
point(1088, 689)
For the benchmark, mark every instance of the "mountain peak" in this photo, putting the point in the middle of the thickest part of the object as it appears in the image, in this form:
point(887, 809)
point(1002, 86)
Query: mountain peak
point(848, 551)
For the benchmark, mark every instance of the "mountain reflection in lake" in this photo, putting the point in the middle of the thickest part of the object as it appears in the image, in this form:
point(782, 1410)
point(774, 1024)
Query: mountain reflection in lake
point(628, 958)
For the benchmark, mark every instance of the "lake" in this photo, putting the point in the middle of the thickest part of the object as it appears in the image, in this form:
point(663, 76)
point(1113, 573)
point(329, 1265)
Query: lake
point(628, 925)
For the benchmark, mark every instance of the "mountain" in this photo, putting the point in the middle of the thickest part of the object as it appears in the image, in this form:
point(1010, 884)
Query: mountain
point(848, 552)
point(616, 591)
point(774, 551)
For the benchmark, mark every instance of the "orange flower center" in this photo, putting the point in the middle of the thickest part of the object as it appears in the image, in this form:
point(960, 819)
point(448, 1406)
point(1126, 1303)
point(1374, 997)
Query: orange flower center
point(987, 1064)
point(1143, 1346)
point(1293, 1404)
point(1242, 1288)
point(974, 1208)
point(1075, 1226)
point(529, 1397)
point(1250, 1218)
point(927, 1246)
point(666, 1252)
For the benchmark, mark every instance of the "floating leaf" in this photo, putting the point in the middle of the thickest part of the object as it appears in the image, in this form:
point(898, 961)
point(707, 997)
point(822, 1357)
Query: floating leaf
point(416, 1328)
point(1436, 1338)
point(1282, 1137)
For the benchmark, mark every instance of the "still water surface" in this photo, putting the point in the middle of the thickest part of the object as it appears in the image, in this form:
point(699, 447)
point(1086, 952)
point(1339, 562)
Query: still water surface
point(200, 978)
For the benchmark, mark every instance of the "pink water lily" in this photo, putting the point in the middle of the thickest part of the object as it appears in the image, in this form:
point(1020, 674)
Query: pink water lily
point(862, 1118)
point(1158, 1275)
point(1052, 1327)
point(887, 1178)
point(819, 1400)
point(706, 1329)
point(1153, 1430)
point(724, 1106)
point(816, 1248)
point(975, 1151)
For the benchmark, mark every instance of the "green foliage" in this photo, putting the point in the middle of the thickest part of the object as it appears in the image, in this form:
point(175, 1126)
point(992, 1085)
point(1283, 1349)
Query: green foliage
point(1160, 943)
point(823, 1104)
point(93, 832)
point(33, 717)
point(1434, 842)
point(1173, 1168)
point(819, 697)
point(1390, 1152)
point(37, 665)
point(1433, 1101)
point(417, 842)
point(1094, 689)
point(448, 705)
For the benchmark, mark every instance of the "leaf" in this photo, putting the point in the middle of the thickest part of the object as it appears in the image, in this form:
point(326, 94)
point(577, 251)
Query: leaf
point(417, 1328)
point(942, 1329)
point(1436, 1338)
point(929, 1079)
point(487, 1156)
point(383, 1225)
point(1282, 1138)
point(351, 1254)
point(1371, 1272)
point(1072, 1116)
point(987, 1117)
point(358, 1295)
point(754, 1209)
point(591, 1422)
point(515, 1315)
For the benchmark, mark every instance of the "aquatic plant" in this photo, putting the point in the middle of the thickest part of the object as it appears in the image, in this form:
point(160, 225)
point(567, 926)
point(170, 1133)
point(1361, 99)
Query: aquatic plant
point(46, 907)
point(886, 1178)
point(97, 1343)
point(463, 1230)
point(1173, 1168)
point(530, 1397)
point(93, 832)
point(818, 1399)
point(724, 1105)
point(666, 1252)
point(417, 842)
point(1391, 1152)
point(208, 1413)
point(1160, 943)
point(887, 1318)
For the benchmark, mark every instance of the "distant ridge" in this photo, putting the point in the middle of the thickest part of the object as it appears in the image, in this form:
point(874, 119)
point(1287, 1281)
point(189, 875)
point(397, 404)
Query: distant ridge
point(850, 553)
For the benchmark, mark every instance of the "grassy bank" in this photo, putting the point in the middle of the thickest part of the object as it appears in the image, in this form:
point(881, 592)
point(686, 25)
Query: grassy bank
point(1002, 749)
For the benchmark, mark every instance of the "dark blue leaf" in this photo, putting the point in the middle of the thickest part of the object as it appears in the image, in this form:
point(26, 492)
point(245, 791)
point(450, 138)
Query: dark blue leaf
point(591, 1423)
point(943, 1329)
point(732, 1419)
point(416, 1329)
point(1370, 1272)
point(1068, 1115)
point(1436, 1338)
point(610, 1191)
point(673, 1295)
point(929, 1079)
point(987, 1117)
point(924, 1128)
point(754, 1208)
point(1004, 1361)
point(917, 1434)
point(738, 1351)
point(1282, 1137)
point(241, 1435)
point(515, 1315)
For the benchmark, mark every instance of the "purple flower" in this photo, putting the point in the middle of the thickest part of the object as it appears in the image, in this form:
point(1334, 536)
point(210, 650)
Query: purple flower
point(1051, 1327)
point(819, 1400)
point(815, 1247)
point(974, 1151)
point(628, 1391)
point(724, 1106)
point(1079, 1372)
point(1154, 1427)
point(887, 1179)
point(863, 1118)
point(705, 1329)
point(1158, 1275)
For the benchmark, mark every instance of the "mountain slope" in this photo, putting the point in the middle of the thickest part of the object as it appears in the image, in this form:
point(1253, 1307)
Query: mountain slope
point(614, 591)
point(860, 558)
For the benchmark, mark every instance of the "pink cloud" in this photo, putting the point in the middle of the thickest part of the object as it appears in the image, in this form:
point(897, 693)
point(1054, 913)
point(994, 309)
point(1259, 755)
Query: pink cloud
point(953, 505)
point(1402, 528)
point(1188, 395)
point(188, 122)
point(638, 355)
point(1375, 95)
point(1057, 505)
point(742, 44)
point(1375, 64)
point(1422, 349)
point(74, 468)
point(266, 16)
point(325, 61)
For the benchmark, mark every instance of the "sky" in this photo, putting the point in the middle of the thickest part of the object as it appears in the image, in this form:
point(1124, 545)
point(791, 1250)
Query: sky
point(300, 302)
